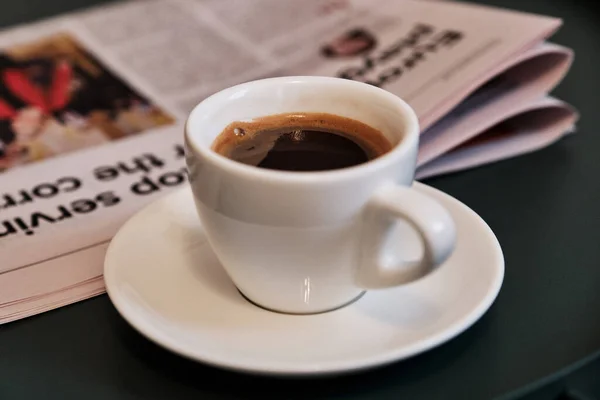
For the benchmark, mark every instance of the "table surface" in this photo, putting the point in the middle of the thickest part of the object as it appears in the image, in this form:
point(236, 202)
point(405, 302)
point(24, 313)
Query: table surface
point(544, 208)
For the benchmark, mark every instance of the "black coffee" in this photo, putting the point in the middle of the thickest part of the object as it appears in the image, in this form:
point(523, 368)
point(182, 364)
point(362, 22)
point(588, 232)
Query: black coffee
point(301, 142)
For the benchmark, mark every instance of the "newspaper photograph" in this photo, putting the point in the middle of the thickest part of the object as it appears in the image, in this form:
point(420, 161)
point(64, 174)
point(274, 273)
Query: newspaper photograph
point(56, 98)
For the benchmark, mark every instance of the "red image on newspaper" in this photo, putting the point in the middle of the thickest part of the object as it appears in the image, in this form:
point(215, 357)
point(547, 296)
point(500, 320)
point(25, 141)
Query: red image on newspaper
point(56, 98)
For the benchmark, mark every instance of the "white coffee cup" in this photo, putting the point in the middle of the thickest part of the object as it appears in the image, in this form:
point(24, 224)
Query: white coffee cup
point(309, 242)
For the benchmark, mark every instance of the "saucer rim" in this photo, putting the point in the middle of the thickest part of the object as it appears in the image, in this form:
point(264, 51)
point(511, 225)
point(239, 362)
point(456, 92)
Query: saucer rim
point(331, 367)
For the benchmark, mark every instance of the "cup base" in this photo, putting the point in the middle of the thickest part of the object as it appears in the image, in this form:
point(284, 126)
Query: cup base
point(361, 294)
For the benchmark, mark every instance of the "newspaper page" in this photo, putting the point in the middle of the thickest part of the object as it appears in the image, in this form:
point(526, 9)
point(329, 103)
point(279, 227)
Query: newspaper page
point(528, 78)
point(92, 104)
point(539, 124)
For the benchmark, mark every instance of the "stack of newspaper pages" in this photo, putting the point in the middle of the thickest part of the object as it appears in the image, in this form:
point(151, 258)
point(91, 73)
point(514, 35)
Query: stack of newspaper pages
point(92, 106)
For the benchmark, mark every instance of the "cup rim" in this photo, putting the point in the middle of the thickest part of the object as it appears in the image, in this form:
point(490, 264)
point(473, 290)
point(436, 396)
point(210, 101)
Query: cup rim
point(400, 149)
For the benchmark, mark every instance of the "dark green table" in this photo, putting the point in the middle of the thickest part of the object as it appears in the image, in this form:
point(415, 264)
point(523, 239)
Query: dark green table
point(544, 208)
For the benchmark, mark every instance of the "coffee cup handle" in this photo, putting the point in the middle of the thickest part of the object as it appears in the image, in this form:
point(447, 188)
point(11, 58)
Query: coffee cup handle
point(426, 216)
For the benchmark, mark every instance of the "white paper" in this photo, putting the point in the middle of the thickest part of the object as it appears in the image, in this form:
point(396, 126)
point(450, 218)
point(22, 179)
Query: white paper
point(92, 106)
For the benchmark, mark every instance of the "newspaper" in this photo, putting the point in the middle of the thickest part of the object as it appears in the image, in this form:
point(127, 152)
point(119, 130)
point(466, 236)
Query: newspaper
point(92, 106)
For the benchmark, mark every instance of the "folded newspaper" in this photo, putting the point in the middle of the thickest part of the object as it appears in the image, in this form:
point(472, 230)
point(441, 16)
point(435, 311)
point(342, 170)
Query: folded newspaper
point(92, 105)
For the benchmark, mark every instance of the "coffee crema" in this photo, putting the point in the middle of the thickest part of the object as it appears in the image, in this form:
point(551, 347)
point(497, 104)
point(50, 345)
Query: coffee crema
point(301, 142)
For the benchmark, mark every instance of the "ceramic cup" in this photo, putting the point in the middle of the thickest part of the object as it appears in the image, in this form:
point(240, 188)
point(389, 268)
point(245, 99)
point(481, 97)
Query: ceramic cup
point(309, 242)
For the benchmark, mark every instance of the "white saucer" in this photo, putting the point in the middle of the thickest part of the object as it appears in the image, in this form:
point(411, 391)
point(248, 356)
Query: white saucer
point(163, 278)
